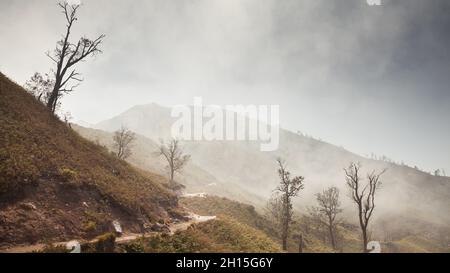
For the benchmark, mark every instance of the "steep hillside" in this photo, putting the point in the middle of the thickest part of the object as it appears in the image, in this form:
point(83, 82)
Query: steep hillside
point(220, 206)
point(222, 235)
point(56, 185)
point(405, 190)
point(247, 215)
point(315, 237)
point(193, 177)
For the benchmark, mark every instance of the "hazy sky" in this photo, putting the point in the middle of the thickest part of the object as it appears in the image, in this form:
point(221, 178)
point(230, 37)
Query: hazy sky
point(372, 79)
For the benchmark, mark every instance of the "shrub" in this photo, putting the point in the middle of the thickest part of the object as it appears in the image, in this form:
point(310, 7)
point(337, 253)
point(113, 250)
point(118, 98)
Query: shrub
point(50, 248)
point(134, 247)
point(105, 243)
point(90, 226)
point(178, 213)
point(67, 174)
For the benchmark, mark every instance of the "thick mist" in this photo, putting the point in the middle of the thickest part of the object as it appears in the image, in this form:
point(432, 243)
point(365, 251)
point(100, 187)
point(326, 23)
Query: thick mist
point(369, 78)
point(240, 171)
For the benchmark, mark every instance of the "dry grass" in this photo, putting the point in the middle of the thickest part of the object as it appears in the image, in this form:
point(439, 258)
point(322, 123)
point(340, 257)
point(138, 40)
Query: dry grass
point(35, 145)
point(221, 235)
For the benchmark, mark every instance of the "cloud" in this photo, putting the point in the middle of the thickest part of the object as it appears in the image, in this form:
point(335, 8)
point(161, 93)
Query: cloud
point(340, 70)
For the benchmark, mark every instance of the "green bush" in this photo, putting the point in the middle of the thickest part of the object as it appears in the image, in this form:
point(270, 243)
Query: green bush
point(67, 174)
point(134, 247)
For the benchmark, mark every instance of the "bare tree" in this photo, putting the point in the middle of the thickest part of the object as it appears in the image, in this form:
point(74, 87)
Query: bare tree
point(67, 54)
point(175, 157)
point(288, 188)
point(40, 86)
point(327, 211)
point(123, 139)
point(363, 196)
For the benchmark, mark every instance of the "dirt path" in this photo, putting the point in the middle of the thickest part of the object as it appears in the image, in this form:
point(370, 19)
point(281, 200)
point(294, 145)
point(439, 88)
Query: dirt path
point(125, 238)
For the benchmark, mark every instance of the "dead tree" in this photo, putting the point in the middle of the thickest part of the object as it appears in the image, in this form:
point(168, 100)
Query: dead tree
point(363, 196)
point(175, 157)
point(123, 139)
point(288, 188)
point(67, 54)
point(328, 209)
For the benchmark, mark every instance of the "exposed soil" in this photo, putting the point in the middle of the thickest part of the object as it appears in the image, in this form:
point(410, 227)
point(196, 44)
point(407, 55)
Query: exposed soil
point(51, 211)
point(125, 238)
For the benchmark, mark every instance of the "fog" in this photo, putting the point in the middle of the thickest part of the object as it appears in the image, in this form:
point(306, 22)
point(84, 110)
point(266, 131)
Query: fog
point(369, 78)
point(241, 171)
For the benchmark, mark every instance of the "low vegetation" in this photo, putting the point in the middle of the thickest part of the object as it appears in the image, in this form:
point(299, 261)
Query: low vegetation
point(222, 235)
point(64, 176)
point(315, 234)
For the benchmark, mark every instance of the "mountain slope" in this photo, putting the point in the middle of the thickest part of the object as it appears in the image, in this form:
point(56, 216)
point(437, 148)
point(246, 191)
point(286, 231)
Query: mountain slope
point(405, 190)
point(224, 235)
point(56, 185)
point(315, 236)
point(193, 177)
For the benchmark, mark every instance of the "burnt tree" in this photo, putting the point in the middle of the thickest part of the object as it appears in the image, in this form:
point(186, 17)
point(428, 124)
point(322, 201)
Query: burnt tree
point(67, 54)
point(363, 195)
point(175, 157)
point(288, 188)
point(122, 142)
point(328, 209)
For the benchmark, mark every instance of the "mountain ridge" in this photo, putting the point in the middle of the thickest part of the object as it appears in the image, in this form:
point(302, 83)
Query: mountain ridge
point(405, 189)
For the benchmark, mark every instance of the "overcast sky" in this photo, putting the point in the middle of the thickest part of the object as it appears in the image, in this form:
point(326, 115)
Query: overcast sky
point(369, 78)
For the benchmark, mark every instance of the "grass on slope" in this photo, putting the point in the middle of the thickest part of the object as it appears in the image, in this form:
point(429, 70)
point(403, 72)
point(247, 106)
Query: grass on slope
point(221, 235)
point(221, 206)
point(314, 240)
point(415, 244)
point(36, 148)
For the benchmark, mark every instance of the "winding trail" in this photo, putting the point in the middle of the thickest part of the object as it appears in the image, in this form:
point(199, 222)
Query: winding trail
point(125, 238)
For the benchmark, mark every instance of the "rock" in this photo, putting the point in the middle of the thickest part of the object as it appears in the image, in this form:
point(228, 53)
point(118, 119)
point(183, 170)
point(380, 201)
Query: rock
point(147, 226)
point(117, 227)
point(160, 227)
point(73, 246)
point(28, 206)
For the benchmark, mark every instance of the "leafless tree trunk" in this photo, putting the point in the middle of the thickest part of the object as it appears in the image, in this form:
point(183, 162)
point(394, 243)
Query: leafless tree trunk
point(288, 188)
point(67, 54)
point(363, 196)
point(300, 244)
point(123, 139)
point(175, 157)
